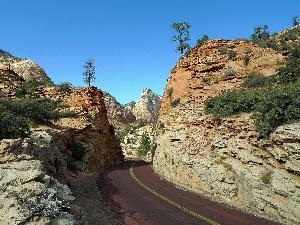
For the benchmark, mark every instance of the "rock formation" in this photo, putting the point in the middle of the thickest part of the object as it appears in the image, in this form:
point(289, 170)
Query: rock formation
point(116, 112)
point(27, 193)
point(133, 119)
point(34, 171)
point(91, 128)
point(147, 107)
point(223, 158)
point(23, 67)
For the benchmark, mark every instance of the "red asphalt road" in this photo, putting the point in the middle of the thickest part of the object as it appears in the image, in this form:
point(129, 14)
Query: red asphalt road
point(136, 205)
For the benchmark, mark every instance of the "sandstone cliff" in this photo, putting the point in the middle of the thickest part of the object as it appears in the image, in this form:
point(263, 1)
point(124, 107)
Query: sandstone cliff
point(91, 128)
point(223, 158)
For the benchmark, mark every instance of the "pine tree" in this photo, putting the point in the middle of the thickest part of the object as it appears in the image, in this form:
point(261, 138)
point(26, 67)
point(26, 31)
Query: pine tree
point(89, 73)
point(183, 36)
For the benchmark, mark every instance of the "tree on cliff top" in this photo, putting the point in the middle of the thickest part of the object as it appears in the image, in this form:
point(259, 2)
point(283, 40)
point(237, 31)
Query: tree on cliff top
point(183, 36)
point(89, 73)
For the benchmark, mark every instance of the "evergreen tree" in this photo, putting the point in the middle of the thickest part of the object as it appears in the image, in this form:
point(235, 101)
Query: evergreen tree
point(295, 20)
point(183, 36)
point(204, 39)
point(89, 73)
point(145, 145)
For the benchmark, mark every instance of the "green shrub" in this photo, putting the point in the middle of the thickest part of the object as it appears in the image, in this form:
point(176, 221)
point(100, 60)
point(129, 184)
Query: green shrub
point(272, 107)
point(248, 50)
point(201, 41)
point(169, 92)
point(291, 71)
point(205, 79)
point(77, 149)
point(12, 126)
point(28, 89)
point(229, 73)
point(266, 178)
point(231, 54)
point(64, 87)
point(40, 111)
point(246, 60)
point(66, 114)
point(279, 105)
point(223, 50)
point(232, 102)
point(255, 79)
point(18, 115)
point(175, 102)
point(145, 145)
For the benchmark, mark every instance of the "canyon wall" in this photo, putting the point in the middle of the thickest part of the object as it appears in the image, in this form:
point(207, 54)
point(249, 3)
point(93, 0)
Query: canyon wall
point(223, 158)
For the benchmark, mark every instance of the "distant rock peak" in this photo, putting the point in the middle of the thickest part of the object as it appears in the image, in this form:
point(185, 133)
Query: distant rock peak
point(24, 67)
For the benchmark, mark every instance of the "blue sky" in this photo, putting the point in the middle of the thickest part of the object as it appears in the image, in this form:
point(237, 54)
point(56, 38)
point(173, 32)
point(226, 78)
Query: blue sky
point(129, 40)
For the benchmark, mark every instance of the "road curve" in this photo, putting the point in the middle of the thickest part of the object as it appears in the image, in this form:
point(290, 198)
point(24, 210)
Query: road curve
point(139, 197)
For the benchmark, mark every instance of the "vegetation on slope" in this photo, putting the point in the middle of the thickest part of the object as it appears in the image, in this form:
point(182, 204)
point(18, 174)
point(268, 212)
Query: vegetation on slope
point(18, 115)
point(274, 100)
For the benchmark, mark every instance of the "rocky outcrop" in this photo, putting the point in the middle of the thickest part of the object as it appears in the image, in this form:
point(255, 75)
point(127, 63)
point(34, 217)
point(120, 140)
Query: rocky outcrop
point(116, 112)
point(208, 70)
point(91, 127)
point(147, 107)
point(27, 194)
point(223, 158)
point(44, 160)
point(24, 67)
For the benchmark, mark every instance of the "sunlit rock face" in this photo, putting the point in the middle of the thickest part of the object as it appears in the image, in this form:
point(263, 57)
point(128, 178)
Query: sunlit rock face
point(223, 158)
point(26, 68)
point(147, 107)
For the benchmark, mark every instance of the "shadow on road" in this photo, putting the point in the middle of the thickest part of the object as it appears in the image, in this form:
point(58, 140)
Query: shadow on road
point(109, 191)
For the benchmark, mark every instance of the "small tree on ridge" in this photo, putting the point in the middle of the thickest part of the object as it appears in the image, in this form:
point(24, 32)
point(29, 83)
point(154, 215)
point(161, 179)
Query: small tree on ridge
point(89, 73)
point(183, 36)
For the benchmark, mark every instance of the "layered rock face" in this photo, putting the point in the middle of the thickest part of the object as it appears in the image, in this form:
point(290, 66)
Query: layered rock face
point(224, 158)
point(91, 128)
point(24, 67)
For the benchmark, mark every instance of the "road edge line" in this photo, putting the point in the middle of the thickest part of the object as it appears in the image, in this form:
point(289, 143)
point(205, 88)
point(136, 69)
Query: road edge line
point(170, 201)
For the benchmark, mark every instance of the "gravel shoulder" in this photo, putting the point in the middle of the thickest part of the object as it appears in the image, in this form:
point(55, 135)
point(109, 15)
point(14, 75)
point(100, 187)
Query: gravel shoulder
point(94, 209)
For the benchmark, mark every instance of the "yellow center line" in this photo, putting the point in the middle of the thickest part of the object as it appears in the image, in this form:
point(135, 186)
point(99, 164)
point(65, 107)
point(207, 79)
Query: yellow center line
point(170, 201)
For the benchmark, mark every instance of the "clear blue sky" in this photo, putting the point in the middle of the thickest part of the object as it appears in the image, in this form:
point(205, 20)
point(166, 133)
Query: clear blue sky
point(129, 40)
